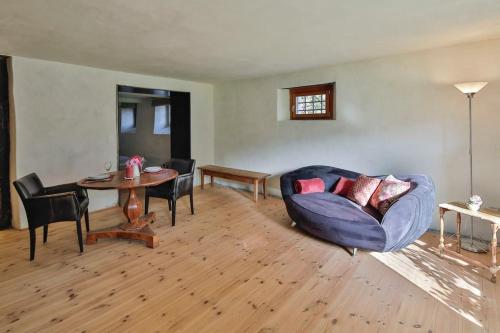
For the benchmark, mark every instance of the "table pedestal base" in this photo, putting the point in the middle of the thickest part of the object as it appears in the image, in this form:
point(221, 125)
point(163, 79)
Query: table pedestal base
point(139, 230)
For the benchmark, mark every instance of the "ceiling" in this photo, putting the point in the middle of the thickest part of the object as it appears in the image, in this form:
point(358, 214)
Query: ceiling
point(233, 39)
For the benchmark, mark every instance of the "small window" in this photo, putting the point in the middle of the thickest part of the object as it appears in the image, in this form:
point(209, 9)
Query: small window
point(312, 102)
point(162, 119)
point(128, 117)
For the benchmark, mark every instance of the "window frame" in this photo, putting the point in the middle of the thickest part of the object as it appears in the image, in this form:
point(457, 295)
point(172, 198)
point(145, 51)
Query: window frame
point(164, 130)
point(327, 89)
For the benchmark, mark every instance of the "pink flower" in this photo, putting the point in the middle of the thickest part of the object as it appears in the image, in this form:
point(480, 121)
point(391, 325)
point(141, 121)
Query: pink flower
point(135, 160)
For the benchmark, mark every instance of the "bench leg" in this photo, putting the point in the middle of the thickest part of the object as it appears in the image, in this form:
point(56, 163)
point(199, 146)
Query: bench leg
point(255, 190)
point(264, 192)
point(212, 181)
point(202, 179)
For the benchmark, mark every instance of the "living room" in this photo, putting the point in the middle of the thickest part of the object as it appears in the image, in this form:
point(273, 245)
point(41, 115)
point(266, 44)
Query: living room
point(243, 254)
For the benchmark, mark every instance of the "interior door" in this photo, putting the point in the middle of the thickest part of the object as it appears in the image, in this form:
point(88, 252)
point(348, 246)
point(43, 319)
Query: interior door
point(5, 210)
point(180, 124)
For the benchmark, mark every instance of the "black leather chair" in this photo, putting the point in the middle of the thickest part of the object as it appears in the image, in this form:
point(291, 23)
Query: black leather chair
point(174, 189)
point(45, 205)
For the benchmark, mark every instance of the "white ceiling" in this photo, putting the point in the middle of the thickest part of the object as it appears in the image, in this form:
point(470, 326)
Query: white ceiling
point(231, 39)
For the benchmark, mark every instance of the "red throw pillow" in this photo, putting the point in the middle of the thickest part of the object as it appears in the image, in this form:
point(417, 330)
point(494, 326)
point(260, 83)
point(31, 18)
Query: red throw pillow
point(389, 190)
point(343, 186)
point(314, 185)
point(363, 189)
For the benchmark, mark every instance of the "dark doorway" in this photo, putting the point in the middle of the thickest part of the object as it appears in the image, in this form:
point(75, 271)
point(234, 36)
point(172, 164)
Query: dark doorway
point(153, 123)
point(5, 208)
point(180, 144)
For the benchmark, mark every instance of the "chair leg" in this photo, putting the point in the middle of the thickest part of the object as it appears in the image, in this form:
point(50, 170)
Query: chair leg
point(146, 204)
point(45, 233)
point(191, 202)
point(79, 234)
point(87, 221)
point(173, 212)
point(169, 205)
point(32, 243)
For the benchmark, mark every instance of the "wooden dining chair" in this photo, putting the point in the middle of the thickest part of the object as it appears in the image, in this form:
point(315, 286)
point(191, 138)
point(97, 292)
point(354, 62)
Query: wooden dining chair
point(45, 205)
point(174, 189)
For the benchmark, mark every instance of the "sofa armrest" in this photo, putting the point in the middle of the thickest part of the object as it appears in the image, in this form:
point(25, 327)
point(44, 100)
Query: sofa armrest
point(411, 215)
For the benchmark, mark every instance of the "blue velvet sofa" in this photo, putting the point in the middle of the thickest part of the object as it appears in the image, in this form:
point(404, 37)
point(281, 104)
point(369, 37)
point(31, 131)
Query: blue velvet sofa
point(343, 222)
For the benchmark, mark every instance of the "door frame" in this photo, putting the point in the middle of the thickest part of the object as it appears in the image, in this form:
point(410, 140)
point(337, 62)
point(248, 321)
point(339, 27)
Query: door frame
point(148, 91)
point(5, 128)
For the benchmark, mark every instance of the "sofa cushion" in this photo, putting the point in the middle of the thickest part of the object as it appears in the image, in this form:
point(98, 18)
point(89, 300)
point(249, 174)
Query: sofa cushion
point(363, 189)
point(389, 190)
point(336, 219)
point(331, 205)
point(313, 185)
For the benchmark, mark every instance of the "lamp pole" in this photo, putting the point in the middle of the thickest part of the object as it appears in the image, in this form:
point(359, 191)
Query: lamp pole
point(470, 89)
point(470, 245)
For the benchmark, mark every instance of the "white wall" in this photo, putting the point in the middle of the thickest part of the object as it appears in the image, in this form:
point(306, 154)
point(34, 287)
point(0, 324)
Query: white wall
point(397, 114)
point(65, 125)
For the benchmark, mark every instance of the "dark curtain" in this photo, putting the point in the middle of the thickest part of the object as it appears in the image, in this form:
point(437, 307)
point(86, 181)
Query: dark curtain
point(5, 208)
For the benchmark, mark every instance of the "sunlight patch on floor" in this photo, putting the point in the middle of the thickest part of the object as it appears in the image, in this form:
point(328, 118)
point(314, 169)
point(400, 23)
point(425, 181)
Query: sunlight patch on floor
point(417, 264)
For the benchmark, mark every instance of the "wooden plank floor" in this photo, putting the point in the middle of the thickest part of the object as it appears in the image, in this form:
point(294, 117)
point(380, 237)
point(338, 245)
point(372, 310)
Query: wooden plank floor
point(235, 266)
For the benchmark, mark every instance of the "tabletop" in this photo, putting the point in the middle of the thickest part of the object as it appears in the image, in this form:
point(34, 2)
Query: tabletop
point(120, 183)
point(489, 214)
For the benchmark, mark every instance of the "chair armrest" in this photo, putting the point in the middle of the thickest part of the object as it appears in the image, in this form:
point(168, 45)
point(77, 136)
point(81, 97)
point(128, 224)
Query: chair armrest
point(183, 184)
point(53, 196)
point(185, 176)
point(70, 187)
point(50, 208)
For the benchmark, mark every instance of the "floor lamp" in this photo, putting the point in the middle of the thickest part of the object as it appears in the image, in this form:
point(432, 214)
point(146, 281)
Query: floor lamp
point(470, 89)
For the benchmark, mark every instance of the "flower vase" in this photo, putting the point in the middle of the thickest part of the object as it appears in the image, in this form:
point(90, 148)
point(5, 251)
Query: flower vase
point(129, 172)
point(137, 172)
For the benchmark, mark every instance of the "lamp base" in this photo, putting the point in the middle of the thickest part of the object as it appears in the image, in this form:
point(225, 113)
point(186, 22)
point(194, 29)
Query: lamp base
point(474, 246)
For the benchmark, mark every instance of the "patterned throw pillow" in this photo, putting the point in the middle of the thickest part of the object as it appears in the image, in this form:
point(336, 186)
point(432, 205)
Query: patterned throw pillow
point(389, 190)
point(363, 189)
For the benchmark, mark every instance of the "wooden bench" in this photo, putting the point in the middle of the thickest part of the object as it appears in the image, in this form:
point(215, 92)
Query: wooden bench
point(243, 176)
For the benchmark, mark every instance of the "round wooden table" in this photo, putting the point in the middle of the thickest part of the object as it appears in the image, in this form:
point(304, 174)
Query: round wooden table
point(137, 226)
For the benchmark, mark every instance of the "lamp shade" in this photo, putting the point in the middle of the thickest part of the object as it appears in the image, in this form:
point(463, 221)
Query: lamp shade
point(470, 87)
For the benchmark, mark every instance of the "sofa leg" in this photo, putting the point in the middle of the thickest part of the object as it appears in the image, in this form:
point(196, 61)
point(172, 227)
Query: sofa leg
point(293, 224)
point(354, 251)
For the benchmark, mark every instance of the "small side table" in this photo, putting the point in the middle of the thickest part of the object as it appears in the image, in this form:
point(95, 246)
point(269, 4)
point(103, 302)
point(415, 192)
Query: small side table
point(484, 214)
